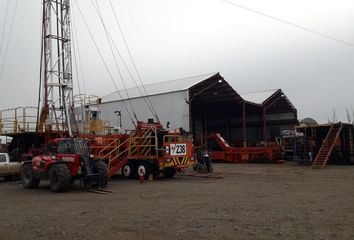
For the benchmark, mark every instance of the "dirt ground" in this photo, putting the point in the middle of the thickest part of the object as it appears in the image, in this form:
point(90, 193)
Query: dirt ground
point(251, 201)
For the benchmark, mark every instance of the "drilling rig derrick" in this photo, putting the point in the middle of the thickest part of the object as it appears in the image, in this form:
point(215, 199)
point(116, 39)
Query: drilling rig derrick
point(56, 68)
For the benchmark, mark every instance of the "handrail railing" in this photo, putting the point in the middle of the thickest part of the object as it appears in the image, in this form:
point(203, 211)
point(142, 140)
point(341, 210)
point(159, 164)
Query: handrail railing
point(113, 144)
point(118, 152)
point(16, 120)
point(115, 149)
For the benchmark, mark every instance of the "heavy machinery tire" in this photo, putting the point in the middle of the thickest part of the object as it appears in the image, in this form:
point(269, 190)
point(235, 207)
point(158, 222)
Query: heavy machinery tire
point(59, 178)
point(169, 172)
point(28, 180)
point(100, 167)
point(199, 168)
point(209, 165)
point(128, 171)
point(143, 166)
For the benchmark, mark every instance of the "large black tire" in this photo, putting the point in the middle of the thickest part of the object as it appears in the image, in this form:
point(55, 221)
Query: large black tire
point(145, 168)
point(100, 167)
point(169, 172)
point(128, 171)
point(208, 164)
point(200, 168)
point(59, 178)
point(28, 179)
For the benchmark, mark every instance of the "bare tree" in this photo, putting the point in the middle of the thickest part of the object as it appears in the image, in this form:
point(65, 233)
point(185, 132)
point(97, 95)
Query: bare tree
point(334, 116)
point(349, 116)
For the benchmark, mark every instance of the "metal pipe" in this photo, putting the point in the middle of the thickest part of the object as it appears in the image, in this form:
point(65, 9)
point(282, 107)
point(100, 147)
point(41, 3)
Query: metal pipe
point(67, 112)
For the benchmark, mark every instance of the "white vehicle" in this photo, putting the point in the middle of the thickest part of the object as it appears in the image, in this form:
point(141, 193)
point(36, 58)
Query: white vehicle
point(5, 139)
point(9, 167)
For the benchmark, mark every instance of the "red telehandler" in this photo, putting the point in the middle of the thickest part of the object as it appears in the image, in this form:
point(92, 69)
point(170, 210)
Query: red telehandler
point(64, 161)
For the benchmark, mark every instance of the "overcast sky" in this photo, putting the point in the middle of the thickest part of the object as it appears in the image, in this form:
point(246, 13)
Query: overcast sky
point(171, 39)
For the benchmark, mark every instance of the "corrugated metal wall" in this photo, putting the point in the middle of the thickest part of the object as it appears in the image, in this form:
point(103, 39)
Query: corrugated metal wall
point(170, 107)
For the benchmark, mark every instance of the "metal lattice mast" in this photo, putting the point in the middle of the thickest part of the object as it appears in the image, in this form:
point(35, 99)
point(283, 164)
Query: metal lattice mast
point(56, 66)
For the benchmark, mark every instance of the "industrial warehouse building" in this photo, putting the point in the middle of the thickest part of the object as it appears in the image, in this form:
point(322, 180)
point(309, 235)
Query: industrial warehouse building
point(204, 104)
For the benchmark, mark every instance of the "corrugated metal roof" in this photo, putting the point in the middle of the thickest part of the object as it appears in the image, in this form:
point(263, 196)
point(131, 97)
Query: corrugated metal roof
point(158, 88)
point(258, 97)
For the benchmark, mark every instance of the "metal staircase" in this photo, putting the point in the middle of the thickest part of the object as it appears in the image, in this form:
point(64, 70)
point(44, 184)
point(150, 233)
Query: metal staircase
point(117, 155)
point(327, 146)
point(120, 150)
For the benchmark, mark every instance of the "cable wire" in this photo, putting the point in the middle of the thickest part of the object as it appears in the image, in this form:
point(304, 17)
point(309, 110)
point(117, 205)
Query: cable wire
point(104, 62)
point(98, 11)
point(73, 37)
point(133, 62)
point(131, 75)
point(82, 101)
point(3, 27)
point(40, 71)
point(77, 46)
point(125, 65)
point(8, 42)
point(290, 23)
point(75, 63)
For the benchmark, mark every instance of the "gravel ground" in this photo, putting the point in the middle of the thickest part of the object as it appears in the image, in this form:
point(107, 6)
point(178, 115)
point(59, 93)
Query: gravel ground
point(251, 201)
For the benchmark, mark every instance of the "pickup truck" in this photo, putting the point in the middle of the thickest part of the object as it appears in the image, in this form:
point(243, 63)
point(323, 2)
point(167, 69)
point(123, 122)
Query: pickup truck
point(9, 168)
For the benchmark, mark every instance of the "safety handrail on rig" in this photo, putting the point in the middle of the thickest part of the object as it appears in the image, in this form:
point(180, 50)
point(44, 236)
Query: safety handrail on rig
point(113, 157)
point(110, 148)
point(17, 120)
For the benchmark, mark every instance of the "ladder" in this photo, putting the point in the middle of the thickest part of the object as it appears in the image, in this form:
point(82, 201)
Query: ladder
point(327, 146)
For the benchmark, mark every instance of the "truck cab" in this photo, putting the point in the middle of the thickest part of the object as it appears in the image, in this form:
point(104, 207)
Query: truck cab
point(9, 167)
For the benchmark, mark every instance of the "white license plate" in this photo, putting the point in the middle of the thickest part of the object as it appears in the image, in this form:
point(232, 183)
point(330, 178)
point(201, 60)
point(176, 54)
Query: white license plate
point(178, 149)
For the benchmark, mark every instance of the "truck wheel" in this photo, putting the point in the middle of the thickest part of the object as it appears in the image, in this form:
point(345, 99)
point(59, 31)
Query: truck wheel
point(209, 165)
point(128, 171)
point(28, 180)
point(59, 178)
point(199, 168)
point(169, 172)
point(100, 167)
point(143, 168)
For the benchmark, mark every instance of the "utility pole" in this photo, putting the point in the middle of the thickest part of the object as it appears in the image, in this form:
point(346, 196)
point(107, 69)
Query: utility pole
point(56, 67)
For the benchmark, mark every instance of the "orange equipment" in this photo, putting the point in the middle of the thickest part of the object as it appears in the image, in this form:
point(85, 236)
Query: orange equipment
point(226, 153)
point(148, 148)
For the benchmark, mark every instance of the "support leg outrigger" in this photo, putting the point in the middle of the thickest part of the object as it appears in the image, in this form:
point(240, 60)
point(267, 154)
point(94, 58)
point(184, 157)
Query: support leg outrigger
point(100, 191)
point(95, 175)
